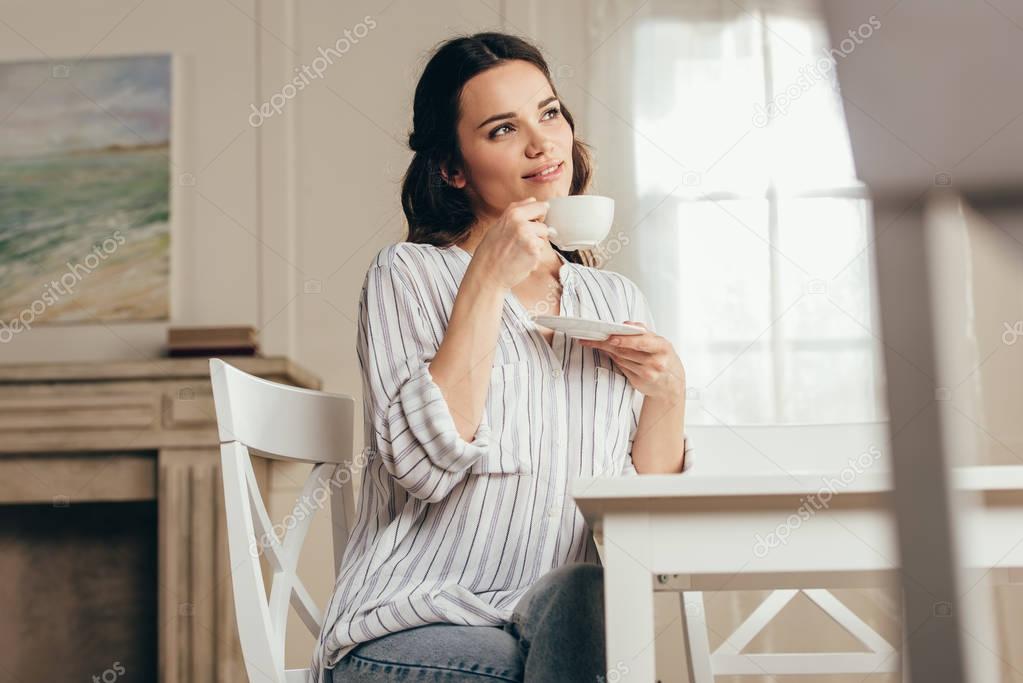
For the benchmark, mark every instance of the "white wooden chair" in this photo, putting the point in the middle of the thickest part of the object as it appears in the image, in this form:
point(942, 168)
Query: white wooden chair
point(730, 660)
point(769, 449)
point(283, 423)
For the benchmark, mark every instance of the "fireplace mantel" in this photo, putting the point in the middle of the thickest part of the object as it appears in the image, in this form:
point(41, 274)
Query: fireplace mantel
point(134, 431)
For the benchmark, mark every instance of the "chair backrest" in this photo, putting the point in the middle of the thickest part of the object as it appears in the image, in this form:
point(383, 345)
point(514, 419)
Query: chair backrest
point(728, 659)
point(285, 423)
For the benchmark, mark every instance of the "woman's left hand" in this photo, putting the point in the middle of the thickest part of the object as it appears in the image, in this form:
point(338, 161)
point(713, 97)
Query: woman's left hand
point(648, 360)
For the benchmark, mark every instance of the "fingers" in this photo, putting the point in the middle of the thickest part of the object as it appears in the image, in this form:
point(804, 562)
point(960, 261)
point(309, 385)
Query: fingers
point(647, 343)
point(633, 344)
point(539, 229)
point(549, 235)
point(534, 213)
point(629, 366)
point(531, 210)
point(615, 351)
point(522, 202)
point(637, 356)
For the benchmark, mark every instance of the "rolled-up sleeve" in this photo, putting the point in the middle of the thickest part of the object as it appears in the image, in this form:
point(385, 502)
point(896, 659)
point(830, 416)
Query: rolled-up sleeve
point(413, 430)
point(640, 312)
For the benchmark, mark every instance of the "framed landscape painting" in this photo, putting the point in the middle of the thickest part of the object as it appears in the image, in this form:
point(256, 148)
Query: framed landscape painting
point(84, 191)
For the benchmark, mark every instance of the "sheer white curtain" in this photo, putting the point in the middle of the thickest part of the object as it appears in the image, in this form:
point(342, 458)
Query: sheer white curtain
point(719, 130)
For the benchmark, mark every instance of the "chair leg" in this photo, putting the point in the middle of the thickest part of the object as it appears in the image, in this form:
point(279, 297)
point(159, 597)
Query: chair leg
point(694, 625)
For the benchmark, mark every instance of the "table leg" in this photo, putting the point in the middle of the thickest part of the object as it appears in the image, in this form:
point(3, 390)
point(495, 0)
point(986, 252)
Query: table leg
point(628, 599)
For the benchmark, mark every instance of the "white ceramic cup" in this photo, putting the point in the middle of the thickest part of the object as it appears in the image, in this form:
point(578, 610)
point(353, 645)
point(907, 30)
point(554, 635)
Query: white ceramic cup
point(579, 221)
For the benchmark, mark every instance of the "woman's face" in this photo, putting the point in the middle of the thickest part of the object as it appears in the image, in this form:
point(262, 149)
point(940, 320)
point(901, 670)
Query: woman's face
point(511, 125)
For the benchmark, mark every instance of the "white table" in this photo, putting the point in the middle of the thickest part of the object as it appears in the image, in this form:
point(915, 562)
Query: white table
point(701, 533)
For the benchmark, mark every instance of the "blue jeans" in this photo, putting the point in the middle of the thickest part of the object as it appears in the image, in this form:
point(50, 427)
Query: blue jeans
point(556, 635)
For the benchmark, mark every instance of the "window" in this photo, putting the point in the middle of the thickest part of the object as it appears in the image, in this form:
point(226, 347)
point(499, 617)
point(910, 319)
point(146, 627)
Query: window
point(755, 232)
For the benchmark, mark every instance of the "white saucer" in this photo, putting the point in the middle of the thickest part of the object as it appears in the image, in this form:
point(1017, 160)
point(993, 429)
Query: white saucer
point(584, 328)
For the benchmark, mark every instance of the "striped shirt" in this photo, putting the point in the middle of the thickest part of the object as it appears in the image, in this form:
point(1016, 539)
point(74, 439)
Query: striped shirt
point(455, 531)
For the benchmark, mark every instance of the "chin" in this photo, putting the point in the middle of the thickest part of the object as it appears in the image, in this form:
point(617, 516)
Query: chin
point(555, 191)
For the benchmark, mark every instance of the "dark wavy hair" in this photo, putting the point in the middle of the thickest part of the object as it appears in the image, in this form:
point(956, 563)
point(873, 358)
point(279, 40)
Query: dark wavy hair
point(438, 213)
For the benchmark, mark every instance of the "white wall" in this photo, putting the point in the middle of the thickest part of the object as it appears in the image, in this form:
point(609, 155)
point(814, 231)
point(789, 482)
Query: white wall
point(220, 271)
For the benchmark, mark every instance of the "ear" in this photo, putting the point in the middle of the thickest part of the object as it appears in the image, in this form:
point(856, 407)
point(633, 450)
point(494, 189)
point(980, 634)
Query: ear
point(456, 179)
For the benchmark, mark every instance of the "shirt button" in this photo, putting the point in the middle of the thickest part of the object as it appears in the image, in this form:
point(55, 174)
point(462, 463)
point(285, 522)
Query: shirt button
point(556, 373)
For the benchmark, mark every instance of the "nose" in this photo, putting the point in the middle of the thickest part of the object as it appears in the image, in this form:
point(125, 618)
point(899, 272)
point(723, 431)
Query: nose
point(539, 144)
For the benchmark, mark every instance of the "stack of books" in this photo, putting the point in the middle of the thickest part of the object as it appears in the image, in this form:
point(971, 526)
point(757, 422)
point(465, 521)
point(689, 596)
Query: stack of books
point(238, 340)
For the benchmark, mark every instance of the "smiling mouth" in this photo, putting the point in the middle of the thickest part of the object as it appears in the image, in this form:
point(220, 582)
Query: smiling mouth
point(550, 170)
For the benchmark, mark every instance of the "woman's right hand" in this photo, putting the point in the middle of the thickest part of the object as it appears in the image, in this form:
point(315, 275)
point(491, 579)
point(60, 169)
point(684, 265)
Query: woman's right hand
point(515, 244)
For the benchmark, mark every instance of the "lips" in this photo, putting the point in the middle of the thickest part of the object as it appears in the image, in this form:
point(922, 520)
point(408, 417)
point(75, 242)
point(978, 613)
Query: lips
point(554, 166)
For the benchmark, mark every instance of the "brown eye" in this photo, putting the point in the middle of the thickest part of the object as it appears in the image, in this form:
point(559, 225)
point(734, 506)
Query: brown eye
point(493, 133)
point(553, 110)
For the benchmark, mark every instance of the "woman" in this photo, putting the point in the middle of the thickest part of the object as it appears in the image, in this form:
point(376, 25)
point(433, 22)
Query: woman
point(468, 560)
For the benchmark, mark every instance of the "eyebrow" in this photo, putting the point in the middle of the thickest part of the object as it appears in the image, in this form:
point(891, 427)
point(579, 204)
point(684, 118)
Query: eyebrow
point(511, 114)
